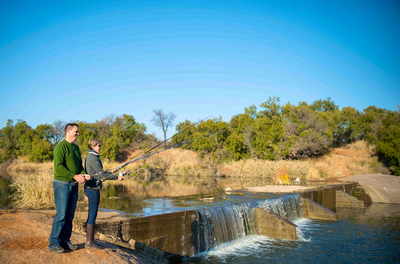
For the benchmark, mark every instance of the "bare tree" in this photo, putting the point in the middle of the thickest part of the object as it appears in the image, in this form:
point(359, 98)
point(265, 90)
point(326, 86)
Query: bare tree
point(57, 131)
point(163, 121)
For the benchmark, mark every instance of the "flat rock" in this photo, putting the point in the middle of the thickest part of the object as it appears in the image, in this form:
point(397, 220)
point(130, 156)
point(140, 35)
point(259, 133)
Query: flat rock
point(279, 188)
point(380, 187)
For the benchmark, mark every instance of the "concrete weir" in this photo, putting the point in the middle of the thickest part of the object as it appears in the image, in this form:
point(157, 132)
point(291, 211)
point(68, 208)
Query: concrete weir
point(270, 224)
point(313, 210)
point(188, 233)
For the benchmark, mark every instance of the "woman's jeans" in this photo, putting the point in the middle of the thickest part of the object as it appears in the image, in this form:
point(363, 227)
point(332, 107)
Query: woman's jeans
point(65, 198)
point(94, 200)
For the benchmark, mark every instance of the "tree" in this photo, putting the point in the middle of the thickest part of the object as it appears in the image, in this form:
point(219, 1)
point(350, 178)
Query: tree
point(163, 121)
point(307, 132)
point(388, 142)
point(57, 132)
point(45, 131)
point(324, 105)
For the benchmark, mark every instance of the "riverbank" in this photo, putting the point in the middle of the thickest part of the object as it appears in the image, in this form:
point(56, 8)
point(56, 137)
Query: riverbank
point(24, 238)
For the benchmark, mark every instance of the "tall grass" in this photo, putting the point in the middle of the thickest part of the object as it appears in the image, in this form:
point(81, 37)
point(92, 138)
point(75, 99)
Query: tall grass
point(33, 191)
point(22, 164)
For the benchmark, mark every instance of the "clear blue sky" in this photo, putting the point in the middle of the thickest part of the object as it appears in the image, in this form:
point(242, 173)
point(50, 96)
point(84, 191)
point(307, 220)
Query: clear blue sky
point(85, 60)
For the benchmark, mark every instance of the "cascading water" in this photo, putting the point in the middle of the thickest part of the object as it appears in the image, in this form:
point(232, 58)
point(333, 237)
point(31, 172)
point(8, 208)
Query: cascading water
point(224, 223)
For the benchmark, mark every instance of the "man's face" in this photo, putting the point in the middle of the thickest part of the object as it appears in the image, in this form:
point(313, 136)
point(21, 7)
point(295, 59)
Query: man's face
point(73, 133)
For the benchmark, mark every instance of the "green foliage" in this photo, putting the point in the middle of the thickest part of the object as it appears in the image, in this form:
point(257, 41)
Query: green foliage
point(20, 139)
point(308, 132)
point(206, 144)
point(388, 143)
point(114, 133)
point(110, 148)
point(45, 131)
point(326, 105)
point(41, 150)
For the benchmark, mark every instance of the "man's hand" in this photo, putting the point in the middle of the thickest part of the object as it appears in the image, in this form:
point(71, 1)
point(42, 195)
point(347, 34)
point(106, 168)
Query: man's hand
point(87, 177)
point(79, 178)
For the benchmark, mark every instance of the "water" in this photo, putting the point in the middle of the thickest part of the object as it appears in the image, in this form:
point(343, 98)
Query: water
point(223, 223)
point(370, 237)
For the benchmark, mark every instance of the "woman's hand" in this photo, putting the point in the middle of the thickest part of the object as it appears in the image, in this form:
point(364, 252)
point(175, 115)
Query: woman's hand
point(121, 175)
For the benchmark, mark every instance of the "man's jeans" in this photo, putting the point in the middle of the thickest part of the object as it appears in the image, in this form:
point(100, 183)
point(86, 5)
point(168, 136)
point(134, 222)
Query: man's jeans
point(65, 198)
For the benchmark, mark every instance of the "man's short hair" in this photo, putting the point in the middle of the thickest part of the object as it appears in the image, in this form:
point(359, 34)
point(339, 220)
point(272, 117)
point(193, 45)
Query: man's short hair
point(69, 126)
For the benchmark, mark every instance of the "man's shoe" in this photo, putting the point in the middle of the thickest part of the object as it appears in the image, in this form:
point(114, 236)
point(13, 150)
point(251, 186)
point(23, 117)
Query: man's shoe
point(57, 249)
point(72, 247)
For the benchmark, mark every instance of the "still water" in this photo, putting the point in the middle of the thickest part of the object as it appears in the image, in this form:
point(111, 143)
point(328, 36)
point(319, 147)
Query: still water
point(370, 237)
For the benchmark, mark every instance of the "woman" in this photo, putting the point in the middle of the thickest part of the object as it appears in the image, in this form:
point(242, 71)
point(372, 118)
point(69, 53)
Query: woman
point(93, 166)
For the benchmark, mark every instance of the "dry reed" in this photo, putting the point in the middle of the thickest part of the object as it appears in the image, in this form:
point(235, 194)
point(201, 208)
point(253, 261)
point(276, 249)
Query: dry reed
point(33, 191)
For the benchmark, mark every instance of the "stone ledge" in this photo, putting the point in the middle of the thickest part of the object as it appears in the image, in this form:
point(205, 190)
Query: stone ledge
point(138, 247)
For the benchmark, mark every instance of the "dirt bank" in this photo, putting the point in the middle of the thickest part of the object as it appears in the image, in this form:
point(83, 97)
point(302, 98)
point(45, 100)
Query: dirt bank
point(24, 239)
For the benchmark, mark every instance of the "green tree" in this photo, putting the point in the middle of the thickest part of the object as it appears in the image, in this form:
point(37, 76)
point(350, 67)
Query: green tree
point(45, 131)
point(388, 143)
point(240, 141)
point(326, 105)
point(7, 141)
point(41, 150)
point(307, 133)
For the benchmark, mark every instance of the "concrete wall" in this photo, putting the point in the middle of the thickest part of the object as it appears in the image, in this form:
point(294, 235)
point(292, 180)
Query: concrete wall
point(327, 196)
point(313, 210)
point(269, 224)
point(171, 233)
point(346, 200)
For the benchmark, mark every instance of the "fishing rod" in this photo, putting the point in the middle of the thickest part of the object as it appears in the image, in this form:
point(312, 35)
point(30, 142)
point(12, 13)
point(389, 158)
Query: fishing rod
point(144, 153)
point(143, 157)
point(177, 145)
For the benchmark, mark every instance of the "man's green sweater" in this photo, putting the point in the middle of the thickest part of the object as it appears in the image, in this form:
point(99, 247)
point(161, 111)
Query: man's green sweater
point(67, 161)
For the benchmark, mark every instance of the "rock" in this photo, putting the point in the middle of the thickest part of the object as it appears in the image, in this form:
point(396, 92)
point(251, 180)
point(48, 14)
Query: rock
point(381, 188)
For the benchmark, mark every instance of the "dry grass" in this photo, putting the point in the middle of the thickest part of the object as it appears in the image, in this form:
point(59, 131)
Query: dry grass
point(22, 164)
point(33, 191)
point(265, 171)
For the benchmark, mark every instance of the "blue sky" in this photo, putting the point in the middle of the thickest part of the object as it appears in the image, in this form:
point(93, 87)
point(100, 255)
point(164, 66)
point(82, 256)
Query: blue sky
point(85, 60)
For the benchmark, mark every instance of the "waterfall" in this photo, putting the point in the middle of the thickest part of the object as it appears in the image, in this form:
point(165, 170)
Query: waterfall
point(225, 223)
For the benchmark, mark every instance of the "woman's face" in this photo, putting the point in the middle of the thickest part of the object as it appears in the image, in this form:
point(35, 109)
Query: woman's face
point(97, 148)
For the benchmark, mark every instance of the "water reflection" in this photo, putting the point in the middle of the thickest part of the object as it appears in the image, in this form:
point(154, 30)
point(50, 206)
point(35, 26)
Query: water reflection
point(135, 206)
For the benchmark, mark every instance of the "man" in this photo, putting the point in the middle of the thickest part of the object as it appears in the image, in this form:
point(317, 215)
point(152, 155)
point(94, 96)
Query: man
point(68, 172)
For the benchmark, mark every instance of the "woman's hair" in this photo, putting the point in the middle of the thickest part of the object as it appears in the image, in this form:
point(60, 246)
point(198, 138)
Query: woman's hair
point(93, 143)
